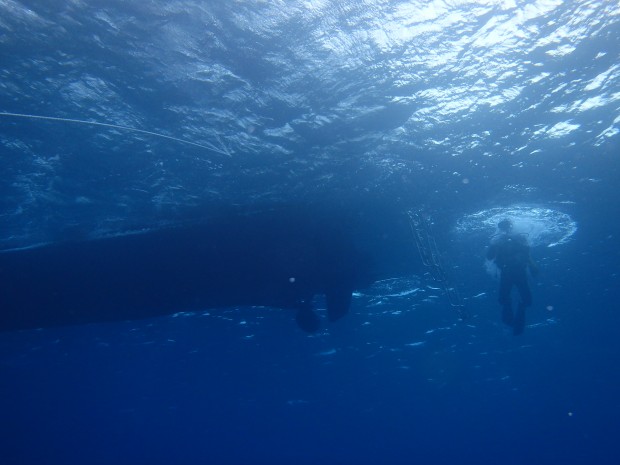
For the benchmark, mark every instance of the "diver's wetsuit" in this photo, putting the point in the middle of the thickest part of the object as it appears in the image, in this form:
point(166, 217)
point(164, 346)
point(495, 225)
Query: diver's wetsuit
point(511, 253)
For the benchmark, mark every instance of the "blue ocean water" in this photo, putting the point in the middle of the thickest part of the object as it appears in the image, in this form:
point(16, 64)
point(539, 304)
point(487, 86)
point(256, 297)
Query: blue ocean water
point(124, 117)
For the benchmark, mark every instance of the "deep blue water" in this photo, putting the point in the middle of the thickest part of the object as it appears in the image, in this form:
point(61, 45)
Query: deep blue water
point(471, 111)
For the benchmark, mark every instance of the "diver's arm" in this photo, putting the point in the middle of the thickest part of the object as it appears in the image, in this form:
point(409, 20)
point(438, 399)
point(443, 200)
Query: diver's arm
point(533, 267)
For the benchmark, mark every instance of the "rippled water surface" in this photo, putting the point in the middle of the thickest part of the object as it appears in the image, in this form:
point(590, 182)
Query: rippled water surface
point(121, 117)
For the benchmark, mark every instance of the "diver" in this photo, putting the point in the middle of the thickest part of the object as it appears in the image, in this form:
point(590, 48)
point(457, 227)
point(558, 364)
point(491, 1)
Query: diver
point(511, 254)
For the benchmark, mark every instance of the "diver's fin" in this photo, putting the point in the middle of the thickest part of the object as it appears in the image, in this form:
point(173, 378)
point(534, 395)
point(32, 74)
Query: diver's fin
point(519, 323)
point(507, 315)
point(308, 320)
point(338, 303)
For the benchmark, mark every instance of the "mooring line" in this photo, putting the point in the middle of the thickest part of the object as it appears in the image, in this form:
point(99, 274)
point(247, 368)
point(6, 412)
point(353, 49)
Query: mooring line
point(209, 147)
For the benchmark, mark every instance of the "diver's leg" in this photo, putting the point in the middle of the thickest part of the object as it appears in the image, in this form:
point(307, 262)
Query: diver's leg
point(524, 290)
point(525, 301)
point(505, 285)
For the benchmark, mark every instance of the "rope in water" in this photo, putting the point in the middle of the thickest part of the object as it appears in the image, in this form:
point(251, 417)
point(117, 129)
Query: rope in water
point(209, 147)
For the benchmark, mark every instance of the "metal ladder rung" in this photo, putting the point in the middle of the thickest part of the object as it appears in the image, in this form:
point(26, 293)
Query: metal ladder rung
point(431, 258)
